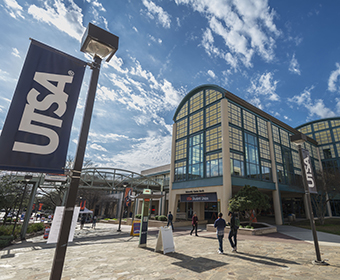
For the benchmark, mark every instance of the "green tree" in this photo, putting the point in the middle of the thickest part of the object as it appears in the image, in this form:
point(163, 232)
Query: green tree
point(249, 199)
point(328, 188)
point(10, 192)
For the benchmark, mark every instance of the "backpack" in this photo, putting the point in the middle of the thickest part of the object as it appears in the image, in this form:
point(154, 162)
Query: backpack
point(237, 222)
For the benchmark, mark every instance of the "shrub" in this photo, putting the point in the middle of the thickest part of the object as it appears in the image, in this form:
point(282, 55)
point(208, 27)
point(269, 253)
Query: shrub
point(5, 241)
point(35, 227)
point(162, 218)
point(156, 218)
point(6, 230)
point(138, 216)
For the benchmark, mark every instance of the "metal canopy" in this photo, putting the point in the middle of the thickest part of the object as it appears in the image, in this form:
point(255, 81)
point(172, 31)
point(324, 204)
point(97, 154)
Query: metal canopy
point(150, 196)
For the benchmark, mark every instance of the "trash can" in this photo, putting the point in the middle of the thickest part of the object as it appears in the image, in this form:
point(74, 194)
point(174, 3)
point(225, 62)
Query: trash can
point(290, 218)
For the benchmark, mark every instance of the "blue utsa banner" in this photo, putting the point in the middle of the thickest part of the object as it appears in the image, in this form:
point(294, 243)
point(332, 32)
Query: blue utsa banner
point(37, 129)
point(310, 179)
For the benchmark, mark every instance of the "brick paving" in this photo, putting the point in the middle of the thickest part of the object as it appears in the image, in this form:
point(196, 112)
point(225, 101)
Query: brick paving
point(106, 254)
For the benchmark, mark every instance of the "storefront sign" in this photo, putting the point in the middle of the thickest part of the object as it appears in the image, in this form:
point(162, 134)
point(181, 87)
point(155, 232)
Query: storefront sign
point(201, 197)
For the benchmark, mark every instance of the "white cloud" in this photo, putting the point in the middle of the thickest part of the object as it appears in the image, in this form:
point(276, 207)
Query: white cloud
point(67, 19)
point(316, 107)
point(106, 138)
point(247, 28)
point(98, 147)
point(13, 9)
point(264, 85)
point(96, 4)
point(4, 76)
point(333, 78)
point(151, 151)
point(159, 41)
point(294, 66)
point(15, 52)
point(154, 10)
point(211, 74)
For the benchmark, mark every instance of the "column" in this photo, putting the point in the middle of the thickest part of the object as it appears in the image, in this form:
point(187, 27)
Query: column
point(227, 185)
point(276, 194)
point(172, 197)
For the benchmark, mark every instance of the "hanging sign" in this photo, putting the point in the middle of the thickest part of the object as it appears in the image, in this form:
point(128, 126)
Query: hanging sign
point(310, 179)
point(37, 129)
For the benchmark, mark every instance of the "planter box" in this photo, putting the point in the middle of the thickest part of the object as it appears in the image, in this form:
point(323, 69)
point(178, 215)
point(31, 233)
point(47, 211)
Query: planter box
point(265, 229)
point(155, 223)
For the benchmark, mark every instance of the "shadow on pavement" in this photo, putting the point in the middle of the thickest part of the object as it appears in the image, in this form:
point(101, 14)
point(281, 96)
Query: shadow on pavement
point(198, 265)
point(269, 258)
point(83, 240)
point(243, 257)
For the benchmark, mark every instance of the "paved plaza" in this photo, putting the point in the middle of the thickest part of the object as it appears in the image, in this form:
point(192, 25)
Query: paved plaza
point(103, 253)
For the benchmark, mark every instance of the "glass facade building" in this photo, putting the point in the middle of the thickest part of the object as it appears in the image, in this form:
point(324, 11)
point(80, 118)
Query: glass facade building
point(222, 143)
point(327, 133)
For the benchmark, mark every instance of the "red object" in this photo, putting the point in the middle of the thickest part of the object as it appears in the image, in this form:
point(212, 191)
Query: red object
point(40, 206)
point(33, 207)
point(47, 232)
point(82, 204)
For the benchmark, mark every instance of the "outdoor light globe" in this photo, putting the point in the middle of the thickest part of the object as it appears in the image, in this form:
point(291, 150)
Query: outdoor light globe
point(98, 42)
point(96, 48)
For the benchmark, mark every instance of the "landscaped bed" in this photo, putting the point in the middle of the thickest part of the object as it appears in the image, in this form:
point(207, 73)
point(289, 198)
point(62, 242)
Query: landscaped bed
point(258, 229)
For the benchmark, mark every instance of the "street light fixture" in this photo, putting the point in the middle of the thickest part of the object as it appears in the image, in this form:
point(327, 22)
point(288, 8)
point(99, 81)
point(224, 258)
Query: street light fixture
point(98, 43)
point(125, 184)
point(299, 139)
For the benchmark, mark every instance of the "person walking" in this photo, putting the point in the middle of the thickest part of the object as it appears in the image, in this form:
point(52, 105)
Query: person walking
point(170, 218)
point(82, 221)
point(194, 224)
point(232, 232)
point(94, 221)
point(220, 224)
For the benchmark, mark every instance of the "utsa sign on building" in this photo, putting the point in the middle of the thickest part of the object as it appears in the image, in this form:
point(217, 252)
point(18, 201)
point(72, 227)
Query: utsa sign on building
point(37, 129)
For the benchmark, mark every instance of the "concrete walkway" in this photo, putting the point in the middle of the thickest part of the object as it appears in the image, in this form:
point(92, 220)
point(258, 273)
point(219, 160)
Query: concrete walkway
point(326, 239)
point(103, 253)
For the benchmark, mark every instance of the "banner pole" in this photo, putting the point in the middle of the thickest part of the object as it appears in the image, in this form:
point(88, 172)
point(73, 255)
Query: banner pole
point(60, 251)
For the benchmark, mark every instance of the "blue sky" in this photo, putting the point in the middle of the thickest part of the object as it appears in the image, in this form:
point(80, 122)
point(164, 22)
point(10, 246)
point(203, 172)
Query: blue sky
point(281, 56)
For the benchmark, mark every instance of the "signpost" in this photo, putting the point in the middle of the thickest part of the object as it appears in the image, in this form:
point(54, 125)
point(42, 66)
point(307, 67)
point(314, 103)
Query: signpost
point(146, 195)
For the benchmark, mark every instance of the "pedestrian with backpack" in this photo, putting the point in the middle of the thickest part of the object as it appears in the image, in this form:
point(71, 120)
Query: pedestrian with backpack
point(233, 231)
point(220, 224)
point(170, 218)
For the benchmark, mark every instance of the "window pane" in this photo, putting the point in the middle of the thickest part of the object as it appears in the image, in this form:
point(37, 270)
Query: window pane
point(234, 114)
point(196, 102)
point(213, 115)
point(183, 112)
point(211, 96)
point(213, 139)
point(196, 122)
point(249, 121)
point(182, 128)
point(262, 127)
point(235, 139)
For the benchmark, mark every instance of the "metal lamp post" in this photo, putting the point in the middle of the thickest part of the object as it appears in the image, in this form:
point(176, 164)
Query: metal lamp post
point(26, 179)
point(299, 139)
point(100, 44)
point(125, 184)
